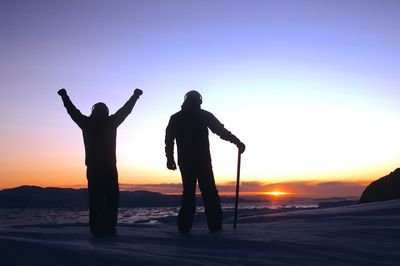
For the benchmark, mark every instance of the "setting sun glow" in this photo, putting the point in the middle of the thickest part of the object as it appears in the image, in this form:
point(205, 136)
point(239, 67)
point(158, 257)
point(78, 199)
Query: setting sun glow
point(276, 193)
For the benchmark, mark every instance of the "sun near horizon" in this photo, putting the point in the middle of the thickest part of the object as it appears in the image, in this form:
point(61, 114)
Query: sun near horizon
point(276, 193)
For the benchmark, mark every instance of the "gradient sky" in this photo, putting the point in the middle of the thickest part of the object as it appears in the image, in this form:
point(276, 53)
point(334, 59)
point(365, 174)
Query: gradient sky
point(311, 87)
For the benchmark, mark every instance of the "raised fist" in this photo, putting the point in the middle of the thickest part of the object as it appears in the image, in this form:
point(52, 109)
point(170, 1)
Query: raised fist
point(137, 92)
point(62, 92)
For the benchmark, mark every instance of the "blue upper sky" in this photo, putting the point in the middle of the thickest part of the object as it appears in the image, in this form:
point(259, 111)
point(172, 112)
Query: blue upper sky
point(312, 87)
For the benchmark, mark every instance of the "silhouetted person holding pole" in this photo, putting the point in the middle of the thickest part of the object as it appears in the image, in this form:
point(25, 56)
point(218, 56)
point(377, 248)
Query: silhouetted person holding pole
point(189, 127)
point(99, 135)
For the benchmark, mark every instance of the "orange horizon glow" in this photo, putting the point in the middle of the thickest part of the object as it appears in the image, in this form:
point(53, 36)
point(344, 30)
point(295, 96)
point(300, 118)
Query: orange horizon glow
point(73, 174)
point(310, 189)
point(276, 193)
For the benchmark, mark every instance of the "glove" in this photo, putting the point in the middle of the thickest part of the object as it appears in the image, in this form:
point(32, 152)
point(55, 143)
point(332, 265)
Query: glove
point(62, 92)
point(241, 147)
point(171, 165)
point(137, 92)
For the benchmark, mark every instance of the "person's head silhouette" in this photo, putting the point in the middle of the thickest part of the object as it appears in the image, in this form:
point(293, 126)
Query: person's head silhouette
point(192, 100)
point(99, 110)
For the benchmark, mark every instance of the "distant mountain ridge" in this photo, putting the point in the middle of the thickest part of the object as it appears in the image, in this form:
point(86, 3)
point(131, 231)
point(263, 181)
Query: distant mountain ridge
point(52, 197)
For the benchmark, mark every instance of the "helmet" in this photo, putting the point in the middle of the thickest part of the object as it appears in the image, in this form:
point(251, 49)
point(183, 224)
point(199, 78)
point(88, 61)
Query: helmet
point(99, 110)
point(193, 98)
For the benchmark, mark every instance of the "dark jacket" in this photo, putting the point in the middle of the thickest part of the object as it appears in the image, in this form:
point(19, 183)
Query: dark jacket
point(190, 130)
point(99, 134)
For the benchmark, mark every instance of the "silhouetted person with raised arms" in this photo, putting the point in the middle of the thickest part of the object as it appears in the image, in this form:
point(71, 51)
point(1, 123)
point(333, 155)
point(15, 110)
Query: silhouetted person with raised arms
point(189, 127)
point(99, 135)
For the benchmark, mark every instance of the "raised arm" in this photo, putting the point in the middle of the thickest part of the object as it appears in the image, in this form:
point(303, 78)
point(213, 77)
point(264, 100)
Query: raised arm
point(219, 129)
point(125, 110)
point(169, 145)
point(75, 114)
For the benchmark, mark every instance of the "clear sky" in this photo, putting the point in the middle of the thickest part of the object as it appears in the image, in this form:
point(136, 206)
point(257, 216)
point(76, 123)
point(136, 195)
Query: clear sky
point(311, 87)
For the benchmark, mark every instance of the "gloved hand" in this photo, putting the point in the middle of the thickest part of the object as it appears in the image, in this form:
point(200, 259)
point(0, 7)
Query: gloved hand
point(241, 147)
point(137, 92)
point(62, 92)
point(171, 165)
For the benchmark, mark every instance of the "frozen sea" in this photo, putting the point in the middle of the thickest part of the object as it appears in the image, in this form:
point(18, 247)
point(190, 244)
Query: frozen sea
point(151, 215)
point(362, 235)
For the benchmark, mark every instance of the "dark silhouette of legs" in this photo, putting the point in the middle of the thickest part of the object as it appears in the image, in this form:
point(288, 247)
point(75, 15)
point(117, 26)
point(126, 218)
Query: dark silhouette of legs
point(103, 200)
point(111, 201)
point(95, 207)
point(212, 203)
point(188, 207)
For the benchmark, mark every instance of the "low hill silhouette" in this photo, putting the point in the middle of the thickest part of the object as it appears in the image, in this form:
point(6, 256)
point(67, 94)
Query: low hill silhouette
point(52, 197)
point(38, 197)
point(385, 188)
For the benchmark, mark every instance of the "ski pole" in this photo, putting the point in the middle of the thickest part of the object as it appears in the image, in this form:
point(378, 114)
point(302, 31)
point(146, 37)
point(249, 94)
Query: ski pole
point(237, 190)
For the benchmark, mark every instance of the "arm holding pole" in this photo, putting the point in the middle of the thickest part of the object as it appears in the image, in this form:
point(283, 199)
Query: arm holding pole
point(219, 129)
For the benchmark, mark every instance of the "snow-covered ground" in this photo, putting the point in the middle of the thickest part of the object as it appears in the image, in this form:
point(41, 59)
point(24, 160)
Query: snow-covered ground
point(366, 234)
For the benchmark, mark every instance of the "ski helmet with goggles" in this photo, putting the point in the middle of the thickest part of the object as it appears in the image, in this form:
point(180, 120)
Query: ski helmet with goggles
point(100, 110)
point(193, 97)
